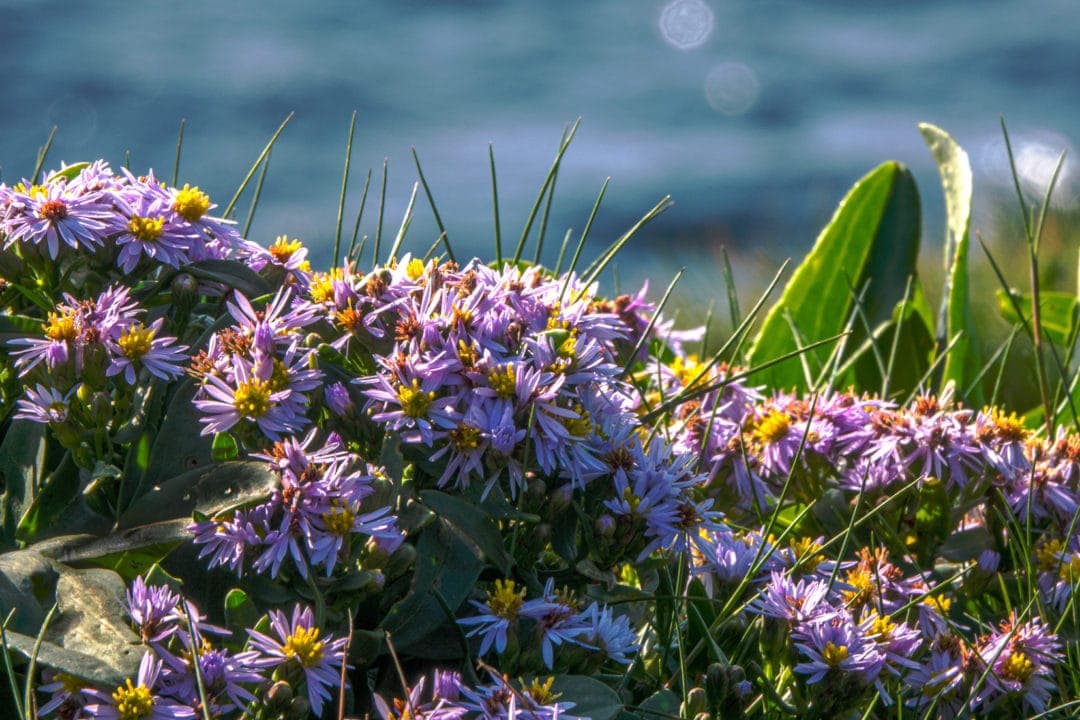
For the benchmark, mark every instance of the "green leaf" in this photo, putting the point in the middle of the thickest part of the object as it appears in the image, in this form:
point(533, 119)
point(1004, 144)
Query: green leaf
point(962, 363)
point(234, 275)
point(68, 172)
point(22, 457)
point(224, 447)
point(61, 488)
point(873, 238)
point(13, 326)
point(27, 586)
point(473, 525)
point(89, 639)
point(179, 445)
point(660, 703)
point(591, 697)
point(128, 552)
point(1060, 313)
point(210, 491)
point(240, 610)
point(444, 563)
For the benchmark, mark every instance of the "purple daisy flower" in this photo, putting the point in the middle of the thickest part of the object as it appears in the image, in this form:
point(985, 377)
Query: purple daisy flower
point(138, 699)
point(139, 346)
point(297, 641)
point(251, 399)
point(52, 213)
point(836, 644)
point(155, 609)
point(44, 405)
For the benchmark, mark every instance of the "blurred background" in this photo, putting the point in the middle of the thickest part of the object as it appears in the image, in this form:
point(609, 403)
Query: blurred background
point(755, 116)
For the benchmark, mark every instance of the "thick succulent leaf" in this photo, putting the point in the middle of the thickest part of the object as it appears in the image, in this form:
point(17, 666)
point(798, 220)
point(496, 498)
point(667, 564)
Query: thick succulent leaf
point(129, 552)
point(178, 446)
point(445, 563)
point(88, 637)
point(232, 274)
point(962, 363)
point(873, 238)
point(473, 525)
point(60, 490)
point(27, 586)
point(210, 491)
point(1060, 313)
point(22, 457)
point(591, 697)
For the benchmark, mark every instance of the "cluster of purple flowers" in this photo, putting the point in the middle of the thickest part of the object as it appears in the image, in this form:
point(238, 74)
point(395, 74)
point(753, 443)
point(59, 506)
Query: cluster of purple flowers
point(183, 650)
point(312, 517)
point(88, 208)
point(482, 365)
point(451, 699)
point(555, 619)
point(255, 376)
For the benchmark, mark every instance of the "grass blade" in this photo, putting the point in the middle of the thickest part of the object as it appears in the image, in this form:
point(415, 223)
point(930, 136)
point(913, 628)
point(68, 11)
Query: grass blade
point(495, 205)
point(359, 214)
point(434, 210)
point(544, 188)
point(179, 146)
point(254, 166)
point(344, 188)
point(43, 152)
point(382, 210)
point(256, 196)
point(406, 220)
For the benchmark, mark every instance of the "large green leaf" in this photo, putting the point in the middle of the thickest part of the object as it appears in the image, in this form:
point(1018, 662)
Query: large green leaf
point(178, 445)
point(89, 637)
point(22, 457)
point(473, 525)
point(962, 363)
point(872, 239)
point(234, 275)
point(61, 489)
point(591, 698)
point(445, 564)
point(27, 586)
point(1059, 313)
point(209, 491)
point(128, 552)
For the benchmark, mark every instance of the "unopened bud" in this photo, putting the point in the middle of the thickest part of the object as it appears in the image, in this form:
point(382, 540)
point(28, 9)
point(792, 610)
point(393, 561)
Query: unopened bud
point(280, 694)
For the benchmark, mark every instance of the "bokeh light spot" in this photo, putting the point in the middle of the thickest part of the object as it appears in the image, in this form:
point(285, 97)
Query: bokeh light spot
point(686, 24)
point(732, 88)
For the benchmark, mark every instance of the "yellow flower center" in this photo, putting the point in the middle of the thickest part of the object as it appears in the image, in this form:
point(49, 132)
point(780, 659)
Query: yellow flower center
point(1018, 667)
point(807, 553)
point(146, 229)
point(34, 191)
point(503, 381)
point(252, 399)
point(414, 401)
point(631, 499)
point(322, 285)
point(61, 327)
point(136, 341)
point(773, 427)
point(191, 203)
point(349, 319)
point(283, 248)
point(505, 600)
point(541, 691)
point(833, 655)
point(339, 518)
point(279, 377)
point(1048, 555)
point(686, 369)
point(70, 683)
point(304, 645)
point(882, 628)
point(939, 603)
point(133, 702)
point(415, 269)
point(465, 437)
point(862, 587)
point(1070, 569)
point(580, 426)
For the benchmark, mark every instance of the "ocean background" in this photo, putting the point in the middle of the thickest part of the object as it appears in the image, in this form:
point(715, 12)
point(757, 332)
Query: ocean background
point(754, 116)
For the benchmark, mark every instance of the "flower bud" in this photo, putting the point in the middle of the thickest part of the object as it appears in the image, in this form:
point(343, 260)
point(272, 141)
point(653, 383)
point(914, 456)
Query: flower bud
point(185, 288)
point(279, 695)
point(605, 526)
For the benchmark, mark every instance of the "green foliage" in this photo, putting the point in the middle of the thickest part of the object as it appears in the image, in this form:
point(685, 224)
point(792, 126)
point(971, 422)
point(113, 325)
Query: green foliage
point(861, 260)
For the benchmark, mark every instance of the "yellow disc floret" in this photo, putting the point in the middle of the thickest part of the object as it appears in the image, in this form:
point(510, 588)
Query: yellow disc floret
point(136, 341)
point(415, 269)
point(339, 518)
point(505, 600)
point(541, 691)
point(465, 437)
point(414, 401)
point(773, 427)
point(833, 655)
point(191, 203)
point(133, 702)
point(146, 229)
point(283, 248)
point(252, 399)
point(61, 326)
point(1018, 667)
point(304, 646)
point(503, 381)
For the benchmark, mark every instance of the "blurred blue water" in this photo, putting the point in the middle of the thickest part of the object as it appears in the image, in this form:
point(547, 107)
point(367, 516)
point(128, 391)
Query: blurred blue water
point(755, 116)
